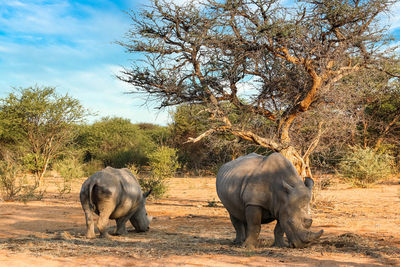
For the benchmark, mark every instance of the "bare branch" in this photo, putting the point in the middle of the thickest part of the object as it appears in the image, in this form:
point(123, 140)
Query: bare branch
point(315, 142)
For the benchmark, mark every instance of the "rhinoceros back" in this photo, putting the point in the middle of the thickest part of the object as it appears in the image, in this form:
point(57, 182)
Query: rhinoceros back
point(117, 184)
point(253, 180)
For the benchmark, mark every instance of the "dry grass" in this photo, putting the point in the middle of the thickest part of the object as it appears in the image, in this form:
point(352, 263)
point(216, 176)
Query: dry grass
point(188, 231)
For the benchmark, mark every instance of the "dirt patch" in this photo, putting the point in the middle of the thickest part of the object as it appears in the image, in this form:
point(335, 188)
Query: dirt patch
point(191, 228)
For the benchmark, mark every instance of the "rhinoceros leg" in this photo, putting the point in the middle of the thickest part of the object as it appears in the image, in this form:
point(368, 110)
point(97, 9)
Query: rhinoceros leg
point(89, 224)
point(121, 225)
point(104, 215)
point(240, 230)
point(278, 235)
point(253, 221)
point(88, 215)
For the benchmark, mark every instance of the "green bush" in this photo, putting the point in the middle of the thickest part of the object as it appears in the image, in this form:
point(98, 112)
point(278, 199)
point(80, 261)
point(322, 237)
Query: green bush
point(156, 184)
point(363, 167)
point(10, 182)
point(116, 142)
point(134, 169)
point(69, 169)
point(123, 157)
point(163, 163)
point(92, 167)
point(14, 185)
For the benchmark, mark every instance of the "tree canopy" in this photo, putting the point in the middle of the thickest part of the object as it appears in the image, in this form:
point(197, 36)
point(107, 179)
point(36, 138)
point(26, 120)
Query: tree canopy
point(40, 123)
point(268, 60)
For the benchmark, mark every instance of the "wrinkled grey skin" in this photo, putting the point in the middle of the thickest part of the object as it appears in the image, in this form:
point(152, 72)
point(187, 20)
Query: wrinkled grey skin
point(114, 194)
point(257, 190)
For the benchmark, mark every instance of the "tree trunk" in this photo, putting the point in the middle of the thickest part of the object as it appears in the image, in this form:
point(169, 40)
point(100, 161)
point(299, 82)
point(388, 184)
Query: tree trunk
point(301, 165)
point(300, 162)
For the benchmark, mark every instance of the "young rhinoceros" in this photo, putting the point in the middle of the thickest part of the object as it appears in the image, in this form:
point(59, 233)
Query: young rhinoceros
point(114, 194)
point(257, 190)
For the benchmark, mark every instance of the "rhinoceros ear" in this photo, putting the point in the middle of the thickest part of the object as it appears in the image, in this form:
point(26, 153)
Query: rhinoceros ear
point(309, 183)
point(145, 195)
point(287, 187)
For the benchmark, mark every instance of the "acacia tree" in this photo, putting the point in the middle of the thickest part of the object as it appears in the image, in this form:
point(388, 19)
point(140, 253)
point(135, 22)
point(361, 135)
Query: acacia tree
point(269, 61)
point(377, 109)
point(40, 123)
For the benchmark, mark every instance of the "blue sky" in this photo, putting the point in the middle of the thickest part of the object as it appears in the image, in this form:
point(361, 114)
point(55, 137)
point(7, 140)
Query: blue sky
point(69, 45)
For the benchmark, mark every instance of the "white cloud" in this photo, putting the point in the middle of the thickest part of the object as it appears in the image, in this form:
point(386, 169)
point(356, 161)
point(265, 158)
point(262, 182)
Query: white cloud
point(98, 90)
point(394, 19)
point(36, 17)
point(48, 44)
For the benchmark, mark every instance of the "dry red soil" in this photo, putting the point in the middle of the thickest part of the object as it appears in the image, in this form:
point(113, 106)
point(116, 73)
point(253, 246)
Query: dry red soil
point(191, 228)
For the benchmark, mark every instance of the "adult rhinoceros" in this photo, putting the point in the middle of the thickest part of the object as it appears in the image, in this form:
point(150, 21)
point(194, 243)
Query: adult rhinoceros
point(114, 194)
point(257, 190)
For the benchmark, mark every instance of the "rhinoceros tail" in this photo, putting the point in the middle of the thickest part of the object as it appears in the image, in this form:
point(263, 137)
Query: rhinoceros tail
point(91, 205)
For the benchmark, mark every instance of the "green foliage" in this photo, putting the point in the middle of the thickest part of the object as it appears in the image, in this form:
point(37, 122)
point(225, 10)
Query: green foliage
point(69, 169)
point(363, 167)
point(163, 163)
point(158, 134)
point(38, 123)
point(10, 181)
point(156, 184)
point(134, 169)
point(207, 155)
point(33, 163)
point(92, 166)
point(116, 142)
point(14, 183)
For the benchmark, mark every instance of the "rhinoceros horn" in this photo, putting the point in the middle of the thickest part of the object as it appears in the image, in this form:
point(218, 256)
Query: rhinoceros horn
point(304, 236)
point(309, 236)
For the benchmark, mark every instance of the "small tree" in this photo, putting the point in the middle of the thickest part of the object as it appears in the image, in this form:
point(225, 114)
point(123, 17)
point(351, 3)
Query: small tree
point(163, 163)
point(39, 123)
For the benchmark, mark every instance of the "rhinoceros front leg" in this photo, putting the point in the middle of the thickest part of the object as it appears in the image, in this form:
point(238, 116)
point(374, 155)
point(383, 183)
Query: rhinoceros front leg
point(121, 225)
point(253, 221)
point(240, 230)
point(278, 236)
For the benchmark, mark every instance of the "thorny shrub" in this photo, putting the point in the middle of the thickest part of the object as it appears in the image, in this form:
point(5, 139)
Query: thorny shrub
point(363, 166)
point(10, 179)
point(69, 169)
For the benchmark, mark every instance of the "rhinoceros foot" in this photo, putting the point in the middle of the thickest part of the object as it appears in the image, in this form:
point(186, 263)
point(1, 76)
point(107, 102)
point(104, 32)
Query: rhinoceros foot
point(280, 244)
point(250, 244)
point(105, 235)
point(90, 236)
point(120, 231)
point(237, 242)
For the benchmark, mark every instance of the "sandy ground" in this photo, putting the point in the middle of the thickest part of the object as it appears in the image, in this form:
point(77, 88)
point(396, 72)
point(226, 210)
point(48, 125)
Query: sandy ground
point(191, 228)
